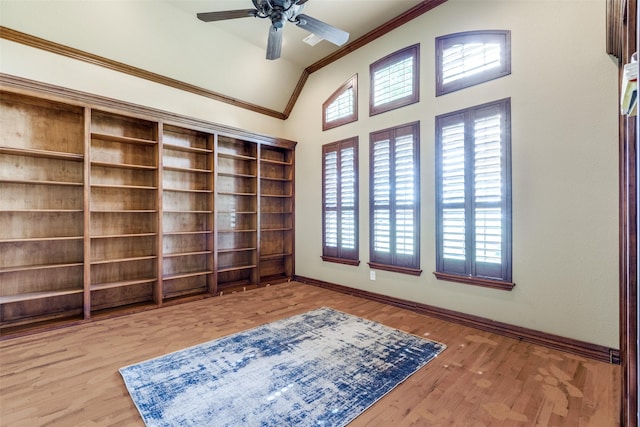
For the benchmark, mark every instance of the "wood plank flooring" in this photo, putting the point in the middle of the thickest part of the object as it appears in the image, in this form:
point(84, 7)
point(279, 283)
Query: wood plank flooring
point(69, 376)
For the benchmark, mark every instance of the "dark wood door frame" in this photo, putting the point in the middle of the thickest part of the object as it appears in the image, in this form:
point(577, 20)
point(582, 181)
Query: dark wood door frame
point(625, 38)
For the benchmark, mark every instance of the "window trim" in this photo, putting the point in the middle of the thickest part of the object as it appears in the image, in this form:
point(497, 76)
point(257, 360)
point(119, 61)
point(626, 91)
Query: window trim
point(410, 51)
point(338, 256)
point(468, 114)
point(445, 41)
point(351, 83)
point(375, 262)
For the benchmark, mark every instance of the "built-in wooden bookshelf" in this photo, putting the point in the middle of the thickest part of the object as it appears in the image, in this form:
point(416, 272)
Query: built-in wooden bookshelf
point(103, 209)
point(236, 212)
point(276, 213)
point(41, 208)
point(123, 208)
point(187, 206)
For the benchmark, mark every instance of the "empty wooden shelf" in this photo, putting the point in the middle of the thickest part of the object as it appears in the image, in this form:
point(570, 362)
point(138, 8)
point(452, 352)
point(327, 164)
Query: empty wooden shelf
point(103, 209)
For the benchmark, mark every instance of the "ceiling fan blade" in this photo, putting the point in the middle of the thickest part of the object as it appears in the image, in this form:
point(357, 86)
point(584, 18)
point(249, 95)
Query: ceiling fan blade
point(274, 44)
point(322, 29)
point(226, 14)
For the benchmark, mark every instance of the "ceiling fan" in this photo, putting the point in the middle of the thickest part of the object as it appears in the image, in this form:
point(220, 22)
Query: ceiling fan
point(279, 12)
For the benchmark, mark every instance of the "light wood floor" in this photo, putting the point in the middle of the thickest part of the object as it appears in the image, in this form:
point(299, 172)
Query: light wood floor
point(69, 377)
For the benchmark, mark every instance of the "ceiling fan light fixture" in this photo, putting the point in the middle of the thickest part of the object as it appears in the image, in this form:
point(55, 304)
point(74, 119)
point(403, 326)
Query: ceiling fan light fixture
point(279, 12)
point(312, 39)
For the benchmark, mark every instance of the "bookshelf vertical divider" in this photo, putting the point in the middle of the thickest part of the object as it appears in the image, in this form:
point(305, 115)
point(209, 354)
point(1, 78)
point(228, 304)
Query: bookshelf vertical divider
point(213, 243)
point(103, 209)
point(86, 304)
point(158, 289)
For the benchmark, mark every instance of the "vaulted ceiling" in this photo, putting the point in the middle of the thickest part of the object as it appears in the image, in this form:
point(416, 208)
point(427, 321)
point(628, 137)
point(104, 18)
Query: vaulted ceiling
point(224, 59)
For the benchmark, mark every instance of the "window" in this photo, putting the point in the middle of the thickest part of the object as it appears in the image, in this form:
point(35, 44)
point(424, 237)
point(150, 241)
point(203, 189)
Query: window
point(340, 202)
point(469, 58)
point(342, 106)
point(395, 208)
point(473, 195)
point(394, 80)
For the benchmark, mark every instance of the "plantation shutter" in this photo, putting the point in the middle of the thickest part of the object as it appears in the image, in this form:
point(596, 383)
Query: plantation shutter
point(453, 188)
point(340, 200)
point(473, 202)
point(341, 107)
point(381, 200)
point(466, 59)
point(394, 80)
point(347, 202)
point(488, 192)
point(472, 57)
point(394, 201)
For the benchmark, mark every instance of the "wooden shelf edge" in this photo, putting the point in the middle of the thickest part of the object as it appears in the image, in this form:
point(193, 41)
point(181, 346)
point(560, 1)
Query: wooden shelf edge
point(274, 256)
point(119, 236)
point(237, 212)
point(119, 260)
point(38, 182)
point(181, 254)
point(123, 139)
point(42, 210)
point(189, 274)
point(122, 165)
point(184, 233)
point(133, 187)
point(16, 269)
point(32, 152)
point(39, 239)
point(227, 193)
point(278, 179)
point(181, 169)
point(276, 162)
point(120, 284)
point(185, 190)
point(235, 268)
point(38, 295)
point(236, 175)
point(187, 149)
point(231, 250)
point(187, 212)
point(235, 156)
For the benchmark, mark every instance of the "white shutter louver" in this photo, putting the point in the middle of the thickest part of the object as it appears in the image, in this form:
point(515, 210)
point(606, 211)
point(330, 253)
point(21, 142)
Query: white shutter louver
point(347, 198)
point(488, 188)
point(404, 194)
point(464, 60)
point(381, 196)
point(393, 82)
point(341, 107)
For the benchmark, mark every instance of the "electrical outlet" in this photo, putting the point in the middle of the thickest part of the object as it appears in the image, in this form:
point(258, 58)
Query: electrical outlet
point(372, 275)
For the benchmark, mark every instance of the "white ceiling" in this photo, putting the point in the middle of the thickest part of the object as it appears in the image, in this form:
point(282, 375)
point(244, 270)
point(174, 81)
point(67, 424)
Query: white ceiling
point(357, 17)
point(166, 38)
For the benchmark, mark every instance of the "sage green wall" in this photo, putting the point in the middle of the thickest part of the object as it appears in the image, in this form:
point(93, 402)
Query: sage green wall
point(564, 165)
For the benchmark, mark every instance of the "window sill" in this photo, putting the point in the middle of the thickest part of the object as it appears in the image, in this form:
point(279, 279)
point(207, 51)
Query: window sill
point(477, 281)
point(345, 261)
point(395, 268)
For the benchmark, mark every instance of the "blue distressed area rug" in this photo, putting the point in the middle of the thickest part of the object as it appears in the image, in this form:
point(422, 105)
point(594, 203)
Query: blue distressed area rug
point(321, 368)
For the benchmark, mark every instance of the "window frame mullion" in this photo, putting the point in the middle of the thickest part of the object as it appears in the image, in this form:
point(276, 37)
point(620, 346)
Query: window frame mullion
point(469, 199)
